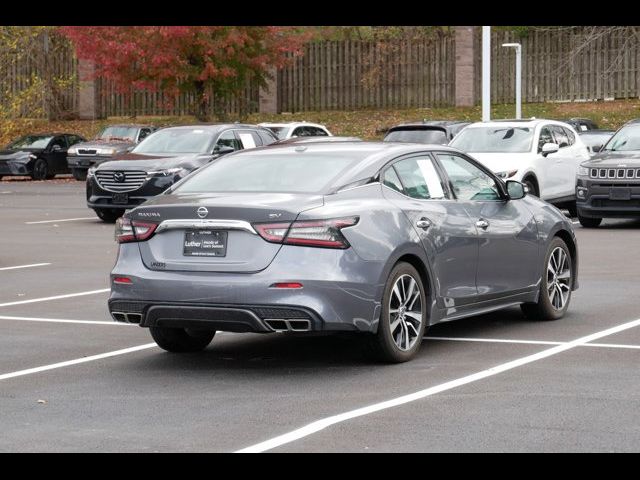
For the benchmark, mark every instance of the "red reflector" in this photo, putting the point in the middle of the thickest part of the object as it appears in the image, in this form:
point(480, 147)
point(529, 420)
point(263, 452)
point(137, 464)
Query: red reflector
point(125, 280)
point(287, 285)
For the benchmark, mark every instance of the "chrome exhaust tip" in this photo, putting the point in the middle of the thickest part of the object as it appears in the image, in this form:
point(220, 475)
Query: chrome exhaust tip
point(288, 325)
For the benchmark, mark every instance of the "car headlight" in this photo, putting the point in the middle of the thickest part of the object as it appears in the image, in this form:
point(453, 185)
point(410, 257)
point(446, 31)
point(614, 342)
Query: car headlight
point(507, 174)
point(91, 172)
point(72, 151)
point(583, 171)
point(105, 151)
point(32, 156)
point(179, 171)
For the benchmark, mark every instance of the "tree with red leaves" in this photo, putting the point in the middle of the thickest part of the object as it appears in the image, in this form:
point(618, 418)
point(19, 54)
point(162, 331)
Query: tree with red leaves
point(188, 59)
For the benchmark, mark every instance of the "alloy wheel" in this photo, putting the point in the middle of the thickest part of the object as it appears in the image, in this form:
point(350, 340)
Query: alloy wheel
point(559, 278)
point(405, 312)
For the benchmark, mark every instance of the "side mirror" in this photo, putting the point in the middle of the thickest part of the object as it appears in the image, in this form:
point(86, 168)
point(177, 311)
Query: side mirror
point(223, 150)
point(549, 148)
point(596, 148)
point(516, 190)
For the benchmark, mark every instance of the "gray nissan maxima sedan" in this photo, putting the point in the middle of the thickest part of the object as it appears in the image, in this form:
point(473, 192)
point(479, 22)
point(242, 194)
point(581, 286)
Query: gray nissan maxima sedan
point(384, 239)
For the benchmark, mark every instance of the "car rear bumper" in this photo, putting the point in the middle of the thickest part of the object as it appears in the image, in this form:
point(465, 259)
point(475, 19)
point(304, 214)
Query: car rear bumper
point(334, 295)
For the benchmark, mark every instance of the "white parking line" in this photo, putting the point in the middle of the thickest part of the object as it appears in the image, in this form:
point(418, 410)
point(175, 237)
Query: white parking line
point(61, 220)
point(319, 425)
point(25, 266)
point(62, 320)
point(68, 363)
point(528, 342)
point(57, 297)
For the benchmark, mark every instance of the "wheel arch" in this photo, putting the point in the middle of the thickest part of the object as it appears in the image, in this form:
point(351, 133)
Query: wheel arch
point(569, 240)
point(534, 178)
point(416, 257)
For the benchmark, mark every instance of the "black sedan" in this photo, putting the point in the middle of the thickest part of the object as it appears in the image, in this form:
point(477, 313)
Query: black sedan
point(436, 132)
point(41, 156)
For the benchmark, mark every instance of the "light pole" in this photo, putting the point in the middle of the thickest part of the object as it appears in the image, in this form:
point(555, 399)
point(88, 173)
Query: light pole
point(486, 74)
point(518, 48)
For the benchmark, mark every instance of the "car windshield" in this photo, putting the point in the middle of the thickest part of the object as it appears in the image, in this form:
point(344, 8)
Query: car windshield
point(119, 133)
point(289, 172)
point(177, 140)
point(627, 139)
point(281, 132)
point(494, 139)
point(30, 141)
point(435, 136)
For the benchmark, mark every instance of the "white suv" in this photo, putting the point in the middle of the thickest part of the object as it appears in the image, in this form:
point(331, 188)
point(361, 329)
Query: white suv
point(297, 129)
point(542, 154)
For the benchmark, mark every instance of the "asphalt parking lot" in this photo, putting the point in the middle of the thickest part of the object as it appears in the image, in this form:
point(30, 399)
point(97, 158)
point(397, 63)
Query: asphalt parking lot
point(73, 380)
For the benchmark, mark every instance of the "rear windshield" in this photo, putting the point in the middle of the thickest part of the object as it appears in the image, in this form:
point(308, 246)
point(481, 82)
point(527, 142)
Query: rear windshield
point(288, 172)
point(438, 137)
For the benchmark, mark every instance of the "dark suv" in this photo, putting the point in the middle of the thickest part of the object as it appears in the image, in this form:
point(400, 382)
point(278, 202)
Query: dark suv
point(111, 141)
point(437, 132)
point(608, 185)
point(162, 159)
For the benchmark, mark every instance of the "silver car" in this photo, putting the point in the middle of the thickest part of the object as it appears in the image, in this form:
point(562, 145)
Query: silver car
point(379, 238)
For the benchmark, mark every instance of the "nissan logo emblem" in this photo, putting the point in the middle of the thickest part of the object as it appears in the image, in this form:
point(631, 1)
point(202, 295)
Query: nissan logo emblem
point(118, 177)
point(203, 212)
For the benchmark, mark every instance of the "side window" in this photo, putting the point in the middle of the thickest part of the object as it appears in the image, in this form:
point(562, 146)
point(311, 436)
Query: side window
point(249, 139)
point(299, 132)
point(228, 139)
point(316, 132)
point(468, 182)
point(59, 141)
point(570, 136)
point(73, 139)
point(390, 179)
point(545, 137)
point(266, 138)
point(420, 178)
point(144, 132)
point(560, 136)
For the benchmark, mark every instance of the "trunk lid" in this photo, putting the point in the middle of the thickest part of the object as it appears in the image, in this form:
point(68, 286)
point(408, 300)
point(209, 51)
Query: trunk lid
point(184, 224)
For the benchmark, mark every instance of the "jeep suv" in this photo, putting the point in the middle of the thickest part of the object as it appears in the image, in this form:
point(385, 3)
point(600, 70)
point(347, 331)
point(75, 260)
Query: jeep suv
point(608, 185)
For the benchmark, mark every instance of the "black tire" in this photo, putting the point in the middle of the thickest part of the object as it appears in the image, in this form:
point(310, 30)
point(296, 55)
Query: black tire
point(181, 340)
point(79, 173)
point(530, 183)
point(382, 344)
point(589, 222)
point(40, 169)
point(544, 308)
point(109, 215)
point(573, 209)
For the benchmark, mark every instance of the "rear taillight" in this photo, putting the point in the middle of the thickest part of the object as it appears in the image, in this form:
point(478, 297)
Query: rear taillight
point(133, 231)
point(309, 233)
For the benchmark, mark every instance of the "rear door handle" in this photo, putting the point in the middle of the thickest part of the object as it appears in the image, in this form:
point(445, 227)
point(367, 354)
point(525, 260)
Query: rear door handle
point(423, 223)
point(482, 223)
